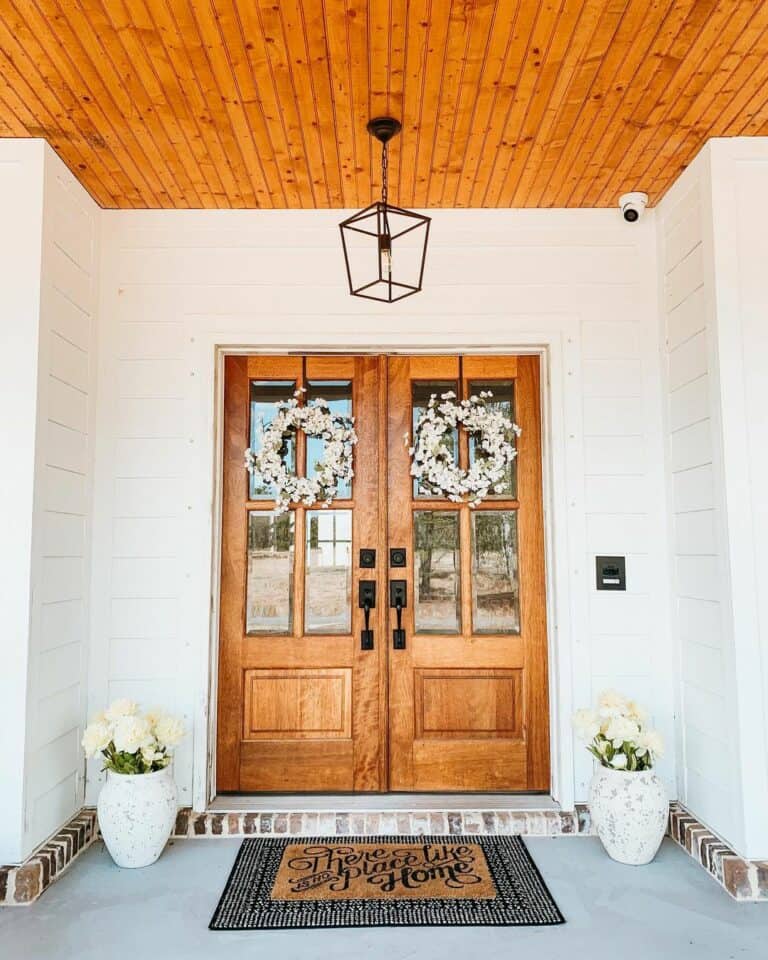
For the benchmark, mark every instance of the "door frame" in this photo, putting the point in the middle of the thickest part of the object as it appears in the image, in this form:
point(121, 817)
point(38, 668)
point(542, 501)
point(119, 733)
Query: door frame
point(556, 341)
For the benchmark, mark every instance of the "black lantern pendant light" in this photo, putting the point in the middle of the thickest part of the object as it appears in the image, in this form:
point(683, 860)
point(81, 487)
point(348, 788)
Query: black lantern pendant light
point(378, 268)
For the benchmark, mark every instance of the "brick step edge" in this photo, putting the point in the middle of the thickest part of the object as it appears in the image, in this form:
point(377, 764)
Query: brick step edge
point(21, 885)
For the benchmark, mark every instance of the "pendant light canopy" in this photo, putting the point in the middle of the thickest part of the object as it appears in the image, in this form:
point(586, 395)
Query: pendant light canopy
point(384, 246)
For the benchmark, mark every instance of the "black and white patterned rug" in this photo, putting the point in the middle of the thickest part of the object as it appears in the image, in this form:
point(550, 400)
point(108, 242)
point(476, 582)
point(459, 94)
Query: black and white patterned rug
point(300, 882)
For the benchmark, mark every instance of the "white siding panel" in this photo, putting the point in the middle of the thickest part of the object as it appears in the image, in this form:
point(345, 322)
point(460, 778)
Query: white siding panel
point(149, 458)
point(62, 623)
point(145, 537)
point(150, 618)
point(689, 404)
point(700, 621)
point(615, 495)
point(691, 446)
point(147, 497)
point(613, 533)
point(150, 418)
point(614, 456)
point(62, 579)
point(612, 378)
point(69, 363)
point(698, 578)
point(144, 658)
point(688, 361)
point(617, 417)
point(687, 319)
point(152, 378)
point(65, 492)
point(695, 533)
point(145, 577)
point(67, 449)
point(70, 321)
point(684, 278)
point(63, 535)
point(693, 489)
point(59, 669)
point(67, 405)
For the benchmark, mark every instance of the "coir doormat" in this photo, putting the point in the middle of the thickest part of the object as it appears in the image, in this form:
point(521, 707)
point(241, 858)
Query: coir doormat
point(304, 882)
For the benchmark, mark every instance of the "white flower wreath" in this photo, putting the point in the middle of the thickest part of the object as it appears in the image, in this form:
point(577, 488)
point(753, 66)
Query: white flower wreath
point(433, 463)
point(334, 467)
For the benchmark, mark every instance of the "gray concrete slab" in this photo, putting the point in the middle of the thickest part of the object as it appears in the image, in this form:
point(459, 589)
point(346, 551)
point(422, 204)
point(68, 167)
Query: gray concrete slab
point(669, 909)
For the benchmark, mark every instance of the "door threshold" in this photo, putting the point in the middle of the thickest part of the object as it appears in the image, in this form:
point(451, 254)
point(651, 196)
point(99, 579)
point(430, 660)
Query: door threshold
point(380, 802)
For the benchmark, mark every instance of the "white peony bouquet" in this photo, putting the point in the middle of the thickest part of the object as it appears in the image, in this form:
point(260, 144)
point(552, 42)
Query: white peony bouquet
point(130, 741)
point(616, 733)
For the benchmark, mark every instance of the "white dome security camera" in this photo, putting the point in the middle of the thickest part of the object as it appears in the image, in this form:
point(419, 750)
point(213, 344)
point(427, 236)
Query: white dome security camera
point(632, 206)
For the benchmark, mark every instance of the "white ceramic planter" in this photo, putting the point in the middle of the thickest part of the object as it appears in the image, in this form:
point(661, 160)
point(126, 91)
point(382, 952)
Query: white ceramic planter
point(136, 815)
point(630, 812)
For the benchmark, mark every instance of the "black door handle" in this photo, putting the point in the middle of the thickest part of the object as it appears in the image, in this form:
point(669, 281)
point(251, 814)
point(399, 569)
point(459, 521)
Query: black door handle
point(398, 599)
point(366, 599)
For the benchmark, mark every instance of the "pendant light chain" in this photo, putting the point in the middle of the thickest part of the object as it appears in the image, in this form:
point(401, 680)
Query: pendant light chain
point(384, 173)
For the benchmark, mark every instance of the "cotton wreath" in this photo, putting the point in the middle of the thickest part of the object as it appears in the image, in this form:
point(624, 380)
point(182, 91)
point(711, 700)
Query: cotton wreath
point(334, 468)
point(432, 459)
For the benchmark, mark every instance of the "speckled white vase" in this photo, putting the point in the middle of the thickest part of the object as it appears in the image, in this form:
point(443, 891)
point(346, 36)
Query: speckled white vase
point(136, 815)
point(630, 812)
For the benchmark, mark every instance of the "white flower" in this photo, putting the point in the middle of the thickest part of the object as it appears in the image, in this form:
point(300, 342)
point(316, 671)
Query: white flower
point(619, 761)
point(120, 708)
point(169, 731)
point(650, 741)
point(621, 730)
point(586, 725)
point(132, 732)
point(611, 704)
point(96, 737)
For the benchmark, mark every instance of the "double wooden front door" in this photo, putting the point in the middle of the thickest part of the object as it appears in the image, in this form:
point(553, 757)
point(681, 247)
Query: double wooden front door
point(459, 700)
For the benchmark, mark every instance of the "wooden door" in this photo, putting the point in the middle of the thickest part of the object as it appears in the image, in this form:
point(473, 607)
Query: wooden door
point(300, 704)
point(468, 694)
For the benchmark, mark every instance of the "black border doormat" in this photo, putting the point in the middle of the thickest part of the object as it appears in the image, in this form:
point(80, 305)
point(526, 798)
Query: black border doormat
point(521, 897)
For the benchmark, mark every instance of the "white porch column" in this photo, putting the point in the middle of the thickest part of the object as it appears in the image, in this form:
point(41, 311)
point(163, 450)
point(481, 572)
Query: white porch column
point(21, 200)
point(714, 296)
point(48, 240)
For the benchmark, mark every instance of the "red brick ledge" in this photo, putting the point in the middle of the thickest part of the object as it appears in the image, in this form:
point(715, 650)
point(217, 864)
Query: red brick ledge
point(541, 823)
point(21, 885)
point(744, 880)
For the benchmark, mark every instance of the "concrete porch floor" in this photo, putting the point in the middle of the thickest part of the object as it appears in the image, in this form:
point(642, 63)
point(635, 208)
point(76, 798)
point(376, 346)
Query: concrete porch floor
point(670, 908)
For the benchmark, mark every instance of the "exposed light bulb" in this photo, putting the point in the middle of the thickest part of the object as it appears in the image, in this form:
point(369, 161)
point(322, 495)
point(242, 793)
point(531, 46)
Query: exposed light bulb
point(385, 250)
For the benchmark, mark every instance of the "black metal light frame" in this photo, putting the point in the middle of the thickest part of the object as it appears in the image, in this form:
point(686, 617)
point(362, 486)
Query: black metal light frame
point(373, 221)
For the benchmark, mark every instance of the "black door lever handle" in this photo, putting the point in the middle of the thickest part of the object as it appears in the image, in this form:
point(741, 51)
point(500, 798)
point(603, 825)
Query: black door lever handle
point(398, 599)
point(367, 601)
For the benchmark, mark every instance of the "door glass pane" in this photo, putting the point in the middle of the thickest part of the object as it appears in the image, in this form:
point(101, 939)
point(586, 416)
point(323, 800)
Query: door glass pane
point(269, 575)
point(503, 400)
point(495, 583)
point(338, 395)
point(422, 390)
point(437, 603)
point(328, 581)
point(265, 394)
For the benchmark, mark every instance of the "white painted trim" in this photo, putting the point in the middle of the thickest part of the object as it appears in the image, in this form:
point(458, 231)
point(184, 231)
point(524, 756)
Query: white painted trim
point(557, 341)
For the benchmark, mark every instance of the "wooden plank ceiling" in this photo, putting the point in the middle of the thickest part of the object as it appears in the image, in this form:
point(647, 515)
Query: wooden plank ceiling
point(263, 103)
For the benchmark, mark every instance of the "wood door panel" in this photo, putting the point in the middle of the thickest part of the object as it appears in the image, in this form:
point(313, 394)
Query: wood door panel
point(469, 765)
point(298, 704)
point(274, 766)
point(462, 703)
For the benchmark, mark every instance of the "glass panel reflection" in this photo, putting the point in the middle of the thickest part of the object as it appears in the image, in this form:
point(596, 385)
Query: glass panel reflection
point(269, 574)
point(503, 400)
point(436, 576)
point(495, 582)
point(328, 583)
point(422, 390)
point(338, 395)
point(265, 394)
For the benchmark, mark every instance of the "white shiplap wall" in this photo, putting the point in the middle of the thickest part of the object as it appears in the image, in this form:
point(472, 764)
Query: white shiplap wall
point(714, 293)
point(63, 493)
point(170, 281)
point(688, 306)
